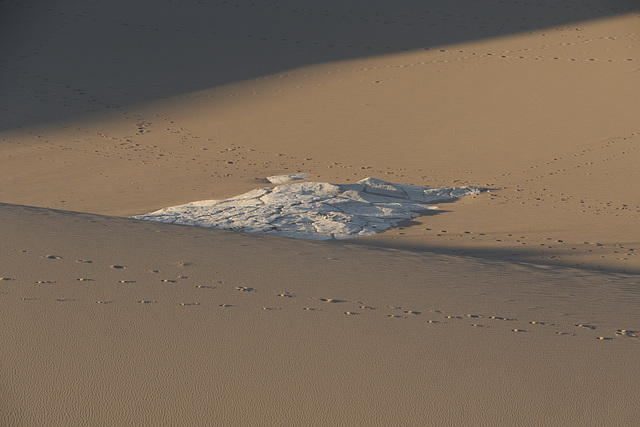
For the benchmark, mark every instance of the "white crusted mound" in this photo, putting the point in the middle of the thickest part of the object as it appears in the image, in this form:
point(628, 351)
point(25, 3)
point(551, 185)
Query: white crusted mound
point(281, 179)
point(313, 210)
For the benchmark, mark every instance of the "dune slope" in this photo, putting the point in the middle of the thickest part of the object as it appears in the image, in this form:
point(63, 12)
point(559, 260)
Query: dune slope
point(219, 327)
point(516, 306)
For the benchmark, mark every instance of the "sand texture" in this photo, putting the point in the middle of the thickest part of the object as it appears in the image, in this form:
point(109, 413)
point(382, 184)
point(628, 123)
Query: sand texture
point(513, 306)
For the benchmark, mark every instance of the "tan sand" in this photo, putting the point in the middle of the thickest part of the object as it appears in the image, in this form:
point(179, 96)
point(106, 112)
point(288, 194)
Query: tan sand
point(213, 327)
point(465, 317)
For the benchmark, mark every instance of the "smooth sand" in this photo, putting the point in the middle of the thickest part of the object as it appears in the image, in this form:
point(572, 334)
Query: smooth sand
point(250, 329)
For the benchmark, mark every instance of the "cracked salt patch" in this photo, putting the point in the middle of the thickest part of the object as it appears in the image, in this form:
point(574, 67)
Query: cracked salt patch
point(314, 210)
point(281, 179)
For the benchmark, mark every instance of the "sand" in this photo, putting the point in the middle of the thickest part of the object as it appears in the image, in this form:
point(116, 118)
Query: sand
point(512, 307)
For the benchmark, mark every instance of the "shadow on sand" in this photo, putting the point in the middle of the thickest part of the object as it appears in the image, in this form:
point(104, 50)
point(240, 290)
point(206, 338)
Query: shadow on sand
point(61, 59)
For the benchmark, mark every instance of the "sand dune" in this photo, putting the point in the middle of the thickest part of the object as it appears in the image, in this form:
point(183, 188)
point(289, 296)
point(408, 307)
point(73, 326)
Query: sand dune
point(66, 58)
point(217, 327)
point(513, 307)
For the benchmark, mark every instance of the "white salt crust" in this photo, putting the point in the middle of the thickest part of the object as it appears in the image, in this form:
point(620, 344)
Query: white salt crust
point(313, 210)
point(281, 179)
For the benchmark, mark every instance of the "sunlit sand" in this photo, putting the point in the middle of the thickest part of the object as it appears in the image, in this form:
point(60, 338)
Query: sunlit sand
point(512, 306)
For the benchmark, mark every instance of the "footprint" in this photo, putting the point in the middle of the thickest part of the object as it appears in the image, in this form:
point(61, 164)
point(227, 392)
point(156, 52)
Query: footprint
point(126, 281)
point(519, 330)
point(271, 308)
point(415, 313)
point(396, 316)
point(351, 313)
point(542, 323)
point(205, 287)
point(225, 305)
point(29, 299)
point(147, 302)
point(506, 319)
point(105, 302)
point(366, 307)
point(116, 266)
point(84, 279)
point(46, 282)
point(245, 289)
point(474, 316)
point(453, 317)
point(583, 325)
point(286, 295)
point(475, 325)
point(169, 281)
point(625, 333)
point(331, 300)
point(51, 257)
point(565, 333)
point(311, 309)
point(5, 278)
point(433, 321)
point(84, 261)
point(189, 303)
point(604, 338)
point(64, 299)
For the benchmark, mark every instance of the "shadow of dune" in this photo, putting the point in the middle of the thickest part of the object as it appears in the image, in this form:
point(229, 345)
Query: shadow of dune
point(556, 258)
point(47, 222)
point(59, 59)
